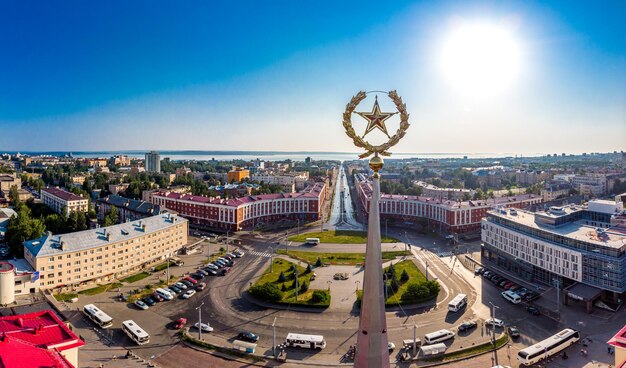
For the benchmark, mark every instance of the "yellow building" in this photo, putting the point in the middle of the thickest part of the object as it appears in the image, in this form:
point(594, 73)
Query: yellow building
point(238, 175)
point(101, 255)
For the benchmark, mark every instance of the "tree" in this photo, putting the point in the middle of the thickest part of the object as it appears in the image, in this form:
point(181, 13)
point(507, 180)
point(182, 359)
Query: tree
point(318, 263)
point(404, 277)
point(283, 288)
point(267, 292)
point(304, 287)
point(21, 228)
point(395, 286)
point(14, 196)
point(111, 217)
point(319, 297)
point(415, 292)
point(308, 269)
point(433, 287)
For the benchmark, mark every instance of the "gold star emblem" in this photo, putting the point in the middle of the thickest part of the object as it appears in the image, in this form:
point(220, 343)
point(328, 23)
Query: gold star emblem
point(376, 119)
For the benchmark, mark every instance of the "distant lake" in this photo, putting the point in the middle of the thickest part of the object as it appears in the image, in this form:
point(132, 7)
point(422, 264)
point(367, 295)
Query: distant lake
point(271, 155)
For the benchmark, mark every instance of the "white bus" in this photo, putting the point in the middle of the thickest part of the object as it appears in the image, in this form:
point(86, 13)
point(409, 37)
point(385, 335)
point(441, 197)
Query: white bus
point(97, 316)
point(438, 336)
point(136, 333)
point(305, 341)
point(511, 296)
point(457, 303)
point(548, 347)
point(312, 241)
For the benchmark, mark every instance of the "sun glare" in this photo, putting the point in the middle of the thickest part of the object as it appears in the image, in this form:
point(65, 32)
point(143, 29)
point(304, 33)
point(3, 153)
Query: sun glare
point(480, 59)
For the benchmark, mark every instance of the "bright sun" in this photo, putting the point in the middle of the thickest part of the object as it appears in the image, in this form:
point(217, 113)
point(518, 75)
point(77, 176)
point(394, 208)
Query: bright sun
point(481, 59)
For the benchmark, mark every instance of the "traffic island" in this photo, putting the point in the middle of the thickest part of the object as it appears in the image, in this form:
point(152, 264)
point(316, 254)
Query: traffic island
point(222, 352)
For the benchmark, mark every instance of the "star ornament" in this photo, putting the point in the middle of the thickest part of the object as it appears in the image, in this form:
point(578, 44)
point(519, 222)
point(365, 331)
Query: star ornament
point(376, 119)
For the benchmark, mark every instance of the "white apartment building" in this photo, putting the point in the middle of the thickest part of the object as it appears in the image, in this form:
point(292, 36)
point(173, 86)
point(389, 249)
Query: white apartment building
point(101, 255)
point(590, 184)
point(153, 162)
point(429, 190)
point(63, 202)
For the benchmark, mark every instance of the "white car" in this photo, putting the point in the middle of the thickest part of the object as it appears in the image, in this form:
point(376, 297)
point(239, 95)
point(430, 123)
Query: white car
point(495, 322)
point(212, 266)
point(141, 305)
point(188, 294)
point(391, 346)
point(180, 285)
point(204, 326)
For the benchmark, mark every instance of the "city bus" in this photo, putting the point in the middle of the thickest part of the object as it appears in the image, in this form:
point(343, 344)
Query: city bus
point(457, 303)
point(136, 333)
point(305, 341)
point(97, 316)
point(312, 241)
point(548, 347)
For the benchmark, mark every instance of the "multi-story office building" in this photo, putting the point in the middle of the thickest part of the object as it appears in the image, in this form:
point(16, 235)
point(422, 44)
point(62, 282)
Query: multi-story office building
point(570, 245)
point(100, 255)
point(63, 202)
point(245, 212)
point(128, 209)
point(459, 217)
point(556, 190)
point(153, 162)
point(593, 184)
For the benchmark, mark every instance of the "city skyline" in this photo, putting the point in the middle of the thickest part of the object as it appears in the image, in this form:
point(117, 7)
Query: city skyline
point(277, 77)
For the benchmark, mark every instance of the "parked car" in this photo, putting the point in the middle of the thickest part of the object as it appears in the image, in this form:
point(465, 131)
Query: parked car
point(189, 293)
point(203, 272)
point(531, 296)
point(313, 276)
point(141, 304)
point(508, 286)
point(513, 332)
point(156, 297)
point(466, 326)
point(181, 286)
point(187, 283)
point(479, 271)
point(248, 336)
point(494, 322)
point(201, 286)
point(148, 300)
point(533, 310)
point(503, 282)
point(515, 288)
point(211, 272)
point(203, 326)
point(238, 253)
point(487, 274)
point(191, 279)
point(180, 323)
point(212, 267)
point(197, 276)
point(175, 289)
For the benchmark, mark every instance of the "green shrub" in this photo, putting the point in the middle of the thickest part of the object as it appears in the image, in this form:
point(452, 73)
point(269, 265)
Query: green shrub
point(268, 292)
point(308, 269)
point(319, 296)
point(318, 263)
point(283, 288)
point(281, 277)
point(433, 286)
point(416, 292)
point(304, 287)
point(395, 286)
point(405, 276)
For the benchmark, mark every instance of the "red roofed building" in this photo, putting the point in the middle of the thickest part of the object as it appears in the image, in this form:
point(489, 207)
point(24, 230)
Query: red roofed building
point(245, 212)
point(63, 202)
point(619, 344)
point(38, 339)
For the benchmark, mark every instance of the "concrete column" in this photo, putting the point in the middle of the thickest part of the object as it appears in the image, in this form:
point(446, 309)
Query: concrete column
point(372, 338)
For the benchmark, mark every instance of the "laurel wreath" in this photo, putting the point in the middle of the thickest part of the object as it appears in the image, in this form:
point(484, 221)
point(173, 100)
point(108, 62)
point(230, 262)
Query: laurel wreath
point(360, 142)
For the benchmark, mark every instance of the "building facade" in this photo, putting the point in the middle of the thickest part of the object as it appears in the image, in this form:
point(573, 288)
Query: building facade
point(245, 212)
point(128, 209)
point(569, 245)
point(63, 202)
point(458, 217)
point(9, 180)
point(429, 190)
point(594, 185)
point(101, 255)
point(153, 162)
point(237, 175)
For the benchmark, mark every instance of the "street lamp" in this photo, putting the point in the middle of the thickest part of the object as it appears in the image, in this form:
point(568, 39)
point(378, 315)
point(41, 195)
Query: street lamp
point(426, 270)
point(357, 282)
point(274, 337)
point(329, 282)
point(199, 309)
point(493, 320)
point(271, 250)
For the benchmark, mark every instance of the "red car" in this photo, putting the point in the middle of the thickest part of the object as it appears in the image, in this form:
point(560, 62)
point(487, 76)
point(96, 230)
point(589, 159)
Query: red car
point(180, 323)
point(191, 279)
point(508, 285)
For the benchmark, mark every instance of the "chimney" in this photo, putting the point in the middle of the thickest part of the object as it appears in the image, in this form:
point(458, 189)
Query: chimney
point(20, 322)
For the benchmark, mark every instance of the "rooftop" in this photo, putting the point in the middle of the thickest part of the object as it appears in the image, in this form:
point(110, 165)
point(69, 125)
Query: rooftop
point(132, 204)
point(60, 193)
point(66, 243)
point(614, 237)
point(35, 340)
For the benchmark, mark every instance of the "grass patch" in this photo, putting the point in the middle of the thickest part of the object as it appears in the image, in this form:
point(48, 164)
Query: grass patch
point(415, 275)
point(65, 297)
point(186, 336)
point(289, 292)
point(136, 277)
point(474, 350)
point(338, 258)
point(163, 266)
point(340, 237)
point(100, 288)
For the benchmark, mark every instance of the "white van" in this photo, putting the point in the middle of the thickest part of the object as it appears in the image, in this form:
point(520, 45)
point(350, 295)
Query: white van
point(511, 296)
point(438, 336)
point(164, 294)
point(457, 303)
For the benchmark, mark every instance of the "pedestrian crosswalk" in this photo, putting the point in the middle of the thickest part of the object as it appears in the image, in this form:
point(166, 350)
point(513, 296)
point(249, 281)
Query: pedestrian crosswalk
point(260, 254)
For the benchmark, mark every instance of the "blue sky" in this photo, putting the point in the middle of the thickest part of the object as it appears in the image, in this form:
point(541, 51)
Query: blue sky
point(277, 75)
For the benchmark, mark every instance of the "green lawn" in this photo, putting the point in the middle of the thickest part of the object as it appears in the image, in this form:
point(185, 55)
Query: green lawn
point(415, 275)
point(163, 266)
point(337, 258)
point(136, 277)
point(474, 350)
point(289, 295)
point(100, 288)
point(340, 237)
point(65, 297)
